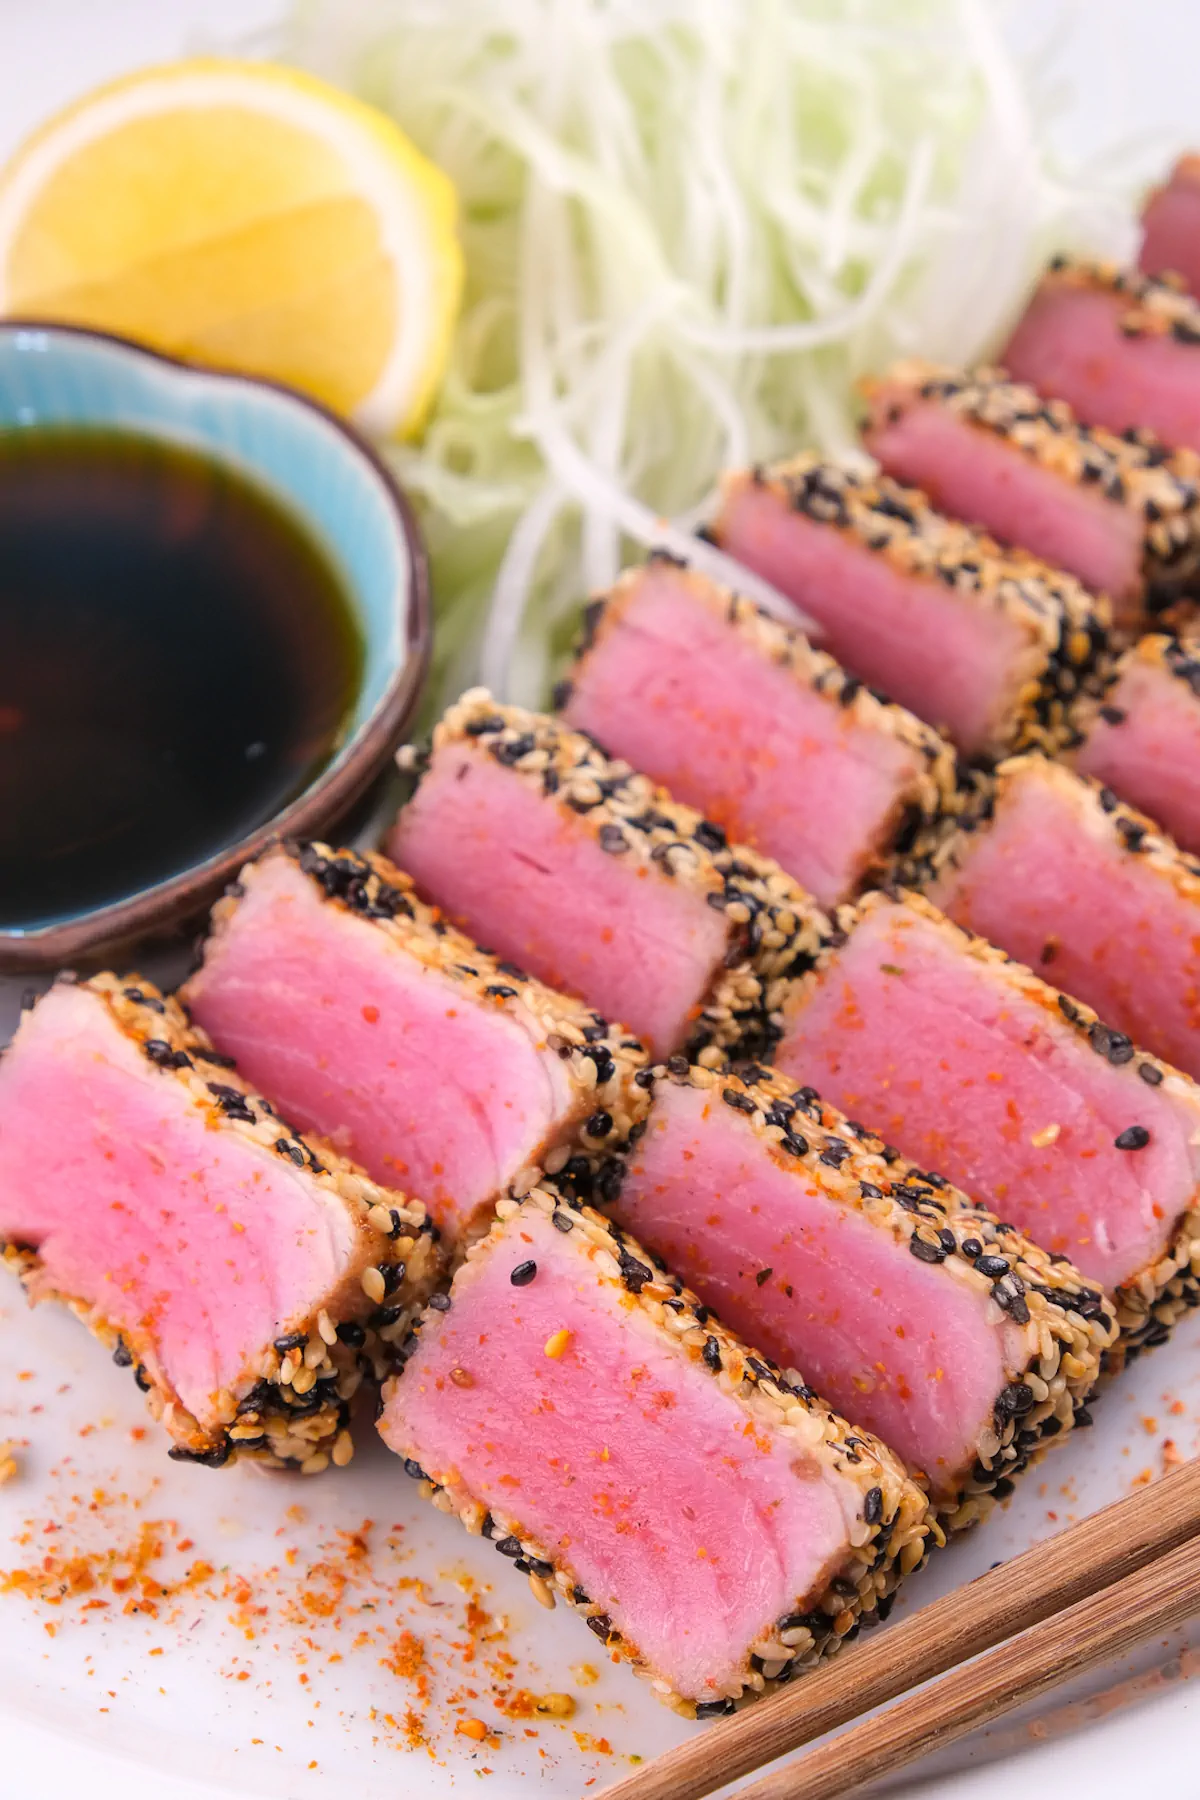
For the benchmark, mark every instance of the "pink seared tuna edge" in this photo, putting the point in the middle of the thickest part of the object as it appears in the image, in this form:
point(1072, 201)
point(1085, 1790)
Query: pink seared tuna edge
point(1171, 226)
point(952, 1337)
point(741, 717)
point(1058, 873)
point(1142, 738)
point(1120, 513)
point(247, 1277)
point(717, 1526)
point(971, 1064)
point(1122, 349)
point(987, 645)
point(368, 1019)
point(573, 866)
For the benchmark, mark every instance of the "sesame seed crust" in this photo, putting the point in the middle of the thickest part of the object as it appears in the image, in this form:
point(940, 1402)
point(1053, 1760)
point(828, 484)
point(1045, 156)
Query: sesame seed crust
point(888, 1540)
point(1066, 629)
point(600, 1060)
point(1066, 1324)
point(1158, 305)
point(1135, 470)
point(1174, 656)
point(775, 929)
point(926, 800)
point(1151, 1302)
point(291, 1406)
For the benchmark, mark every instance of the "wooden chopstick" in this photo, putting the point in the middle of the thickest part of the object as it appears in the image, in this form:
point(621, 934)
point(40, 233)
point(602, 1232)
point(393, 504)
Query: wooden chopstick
point(1106, 1548)
point(1155, 1599)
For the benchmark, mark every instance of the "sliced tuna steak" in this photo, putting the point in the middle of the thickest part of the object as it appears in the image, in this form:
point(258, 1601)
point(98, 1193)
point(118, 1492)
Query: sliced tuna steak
point(1059, 874)
point(969, 1063)
point(1121, 349)
point(717, 1526)
point(241, 1273)
point(770, 738)
point(1143, 739)
point(982, 643)
point(370, 1021)
point(589, 875)
point(913, 1312)
point(1171, 226)
point(1121, 513)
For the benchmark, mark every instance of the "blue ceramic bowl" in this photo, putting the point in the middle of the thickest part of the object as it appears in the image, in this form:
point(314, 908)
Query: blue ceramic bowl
point(56, 375)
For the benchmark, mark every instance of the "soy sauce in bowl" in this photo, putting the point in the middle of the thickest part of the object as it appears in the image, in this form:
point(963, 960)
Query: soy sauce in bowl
point(179, 658)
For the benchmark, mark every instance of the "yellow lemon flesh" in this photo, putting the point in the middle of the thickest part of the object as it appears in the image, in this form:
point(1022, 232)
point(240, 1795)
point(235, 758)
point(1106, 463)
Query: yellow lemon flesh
point(243, 215)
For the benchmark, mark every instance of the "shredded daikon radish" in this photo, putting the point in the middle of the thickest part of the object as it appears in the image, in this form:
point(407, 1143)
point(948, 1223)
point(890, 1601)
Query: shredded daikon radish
point(690, 226)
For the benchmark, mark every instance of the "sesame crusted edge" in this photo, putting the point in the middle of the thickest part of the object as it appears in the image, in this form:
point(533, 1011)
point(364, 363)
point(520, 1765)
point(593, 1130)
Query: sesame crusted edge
point(775, 927)
point(600, 1060)
point(1133, 470)
point(275, 1414)
point(1068, 1322)
point(1067, 629)
point(1150, 1302)
point(888, 1540)
point(923, 802)
point(1159, 305)
point(1167, 652)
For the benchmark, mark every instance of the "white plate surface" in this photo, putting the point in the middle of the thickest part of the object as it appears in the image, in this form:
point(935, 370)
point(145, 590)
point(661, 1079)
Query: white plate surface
point(286, 1673)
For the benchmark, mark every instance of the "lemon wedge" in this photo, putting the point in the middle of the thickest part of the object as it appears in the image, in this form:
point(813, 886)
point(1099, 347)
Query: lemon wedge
point(244, 215)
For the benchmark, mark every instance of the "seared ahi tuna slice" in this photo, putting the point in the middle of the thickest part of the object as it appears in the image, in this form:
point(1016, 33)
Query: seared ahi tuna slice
point(593, 878)
point(369, 1020)
point(1059, 874)
point(969, 1063)
point(1143, 739)
point(916, 1314)
point(249, 1279)
point(1171, 226)
point(1121, 513)
point(1122, 349)
point(715, 1523)
point(985, 644)
point(741, 717)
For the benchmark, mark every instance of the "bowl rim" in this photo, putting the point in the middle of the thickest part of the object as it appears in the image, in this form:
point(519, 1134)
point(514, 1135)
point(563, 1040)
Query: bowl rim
point(336, 789)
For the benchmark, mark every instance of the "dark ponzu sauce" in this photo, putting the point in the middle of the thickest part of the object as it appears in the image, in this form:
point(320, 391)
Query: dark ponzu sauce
point(178, 658)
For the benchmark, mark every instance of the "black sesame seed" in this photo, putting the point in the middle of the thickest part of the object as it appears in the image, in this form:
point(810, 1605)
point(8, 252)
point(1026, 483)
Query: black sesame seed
point(292, 1341)
point(712, 1353)
point(352, 1334)
point(563, 1221)
point(523, 1274)
point(924, 1251)
point(599, 1125)
point(601, 1624)
point(711, 1709)
point(613, 839)
point(992, 1266)
point(741, 1102)
point(161, 1053)
point(1112, 715)
point(440, 1302)
point(123, 1355)
point(414, 1469)
point(972, 1247)
point(208, 1459)
point(1134, 1137)
point(709, 836)
point(1151, 1074)
point(873, 1505)
point(763, 1276)
point(634, 1274)
point(285, 1147)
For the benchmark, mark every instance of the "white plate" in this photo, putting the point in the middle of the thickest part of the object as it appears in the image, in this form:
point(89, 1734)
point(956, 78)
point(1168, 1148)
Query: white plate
point(185, 1705)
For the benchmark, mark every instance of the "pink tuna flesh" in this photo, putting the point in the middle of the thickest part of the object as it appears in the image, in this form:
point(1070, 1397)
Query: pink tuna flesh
point(357, 1040)
point(1069, 345)
point(950, 661)
point(622, 1459)
point(975, 474)
point(897, 1345)
point(946, 1058)
point(1171, 226)
point(1047, 882)
point(679, 692)
point(179, 1232)
point(1150, 756)
point(526, 877)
